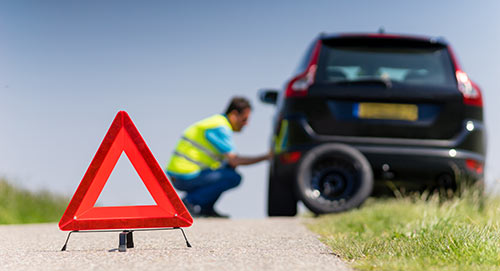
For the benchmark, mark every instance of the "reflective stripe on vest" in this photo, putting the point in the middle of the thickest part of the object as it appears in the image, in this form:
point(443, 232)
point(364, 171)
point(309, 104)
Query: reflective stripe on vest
point(193, 151)
point(208, 152)
point(190, 160)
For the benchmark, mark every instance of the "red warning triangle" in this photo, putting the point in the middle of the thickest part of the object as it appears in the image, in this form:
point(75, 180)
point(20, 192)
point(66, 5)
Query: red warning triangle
point(81, 214)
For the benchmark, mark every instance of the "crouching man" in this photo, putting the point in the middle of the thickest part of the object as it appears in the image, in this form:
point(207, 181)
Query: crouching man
point(204, 161)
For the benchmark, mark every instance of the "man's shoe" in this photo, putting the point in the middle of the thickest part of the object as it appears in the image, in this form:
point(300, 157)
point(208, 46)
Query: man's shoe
point(212, 213)
point(194, 210)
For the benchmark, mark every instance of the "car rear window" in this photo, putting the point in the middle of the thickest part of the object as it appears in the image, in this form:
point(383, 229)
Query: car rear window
point(402, 62)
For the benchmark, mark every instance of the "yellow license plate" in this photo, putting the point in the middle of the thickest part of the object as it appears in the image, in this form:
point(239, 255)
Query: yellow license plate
point(407, 112)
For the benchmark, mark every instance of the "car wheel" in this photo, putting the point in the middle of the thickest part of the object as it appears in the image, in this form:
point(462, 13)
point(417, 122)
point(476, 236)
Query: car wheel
point(334, 178)
point(281, 198)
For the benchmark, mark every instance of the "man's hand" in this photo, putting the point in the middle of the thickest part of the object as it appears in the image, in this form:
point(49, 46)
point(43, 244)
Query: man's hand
point(236, 160)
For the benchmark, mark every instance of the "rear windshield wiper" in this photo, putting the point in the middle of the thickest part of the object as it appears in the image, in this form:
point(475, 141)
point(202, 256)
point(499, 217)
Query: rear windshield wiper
point(367, 81)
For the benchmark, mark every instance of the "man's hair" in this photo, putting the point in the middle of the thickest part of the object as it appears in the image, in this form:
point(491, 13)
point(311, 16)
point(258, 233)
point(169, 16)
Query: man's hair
point(239, 104)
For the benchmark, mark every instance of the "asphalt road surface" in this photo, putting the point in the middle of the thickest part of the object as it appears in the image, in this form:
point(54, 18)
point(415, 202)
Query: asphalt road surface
point(217, 244)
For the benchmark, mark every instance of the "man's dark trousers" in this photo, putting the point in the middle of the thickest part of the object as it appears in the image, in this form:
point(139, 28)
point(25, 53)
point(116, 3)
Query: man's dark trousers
point(206, 188)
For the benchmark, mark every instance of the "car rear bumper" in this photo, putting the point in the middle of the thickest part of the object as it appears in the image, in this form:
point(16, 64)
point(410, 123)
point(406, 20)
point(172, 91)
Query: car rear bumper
point(422, 168)
point(414, 163)
point(471, 138)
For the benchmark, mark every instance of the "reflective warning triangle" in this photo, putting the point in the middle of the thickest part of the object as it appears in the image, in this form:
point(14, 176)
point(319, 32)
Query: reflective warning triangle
point(81, 214)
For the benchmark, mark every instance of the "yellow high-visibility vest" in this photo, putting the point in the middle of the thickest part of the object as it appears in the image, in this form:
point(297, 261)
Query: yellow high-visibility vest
point(194, 152)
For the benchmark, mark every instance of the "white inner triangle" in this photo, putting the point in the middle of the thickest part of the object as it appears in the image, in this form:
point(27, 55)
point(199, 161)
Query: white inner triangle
point(124, 187)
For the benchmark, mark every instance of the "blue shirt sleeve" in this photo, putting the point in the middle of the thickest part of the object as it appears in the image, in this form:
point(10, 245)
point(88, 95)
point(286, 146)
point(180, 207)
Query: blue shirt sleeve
point(221, 138)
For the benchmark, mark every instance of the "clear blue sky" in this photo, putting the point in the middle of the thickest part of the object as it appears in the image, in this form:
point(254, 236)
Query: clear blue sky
point(67, 67)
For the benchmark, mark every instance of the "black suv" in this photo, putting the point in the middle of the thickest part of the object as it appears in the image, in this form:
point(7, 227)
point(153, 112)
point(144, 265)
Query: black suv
point(367, 111)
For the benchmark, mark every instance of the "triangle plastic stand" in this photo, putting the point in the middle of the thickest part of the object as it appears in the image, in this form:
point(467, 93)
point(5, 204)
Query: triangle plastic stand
point(81, 214)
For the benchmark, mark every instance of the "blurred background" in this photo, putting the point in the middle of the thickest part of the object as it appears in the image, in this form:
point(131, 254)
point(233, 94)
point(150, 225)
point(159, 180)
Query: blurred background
point(67, 67)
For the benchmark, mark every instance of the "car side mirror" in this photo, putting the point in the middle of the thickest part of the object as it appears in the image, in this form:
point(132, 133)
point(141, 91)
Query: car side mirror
point(268, 96)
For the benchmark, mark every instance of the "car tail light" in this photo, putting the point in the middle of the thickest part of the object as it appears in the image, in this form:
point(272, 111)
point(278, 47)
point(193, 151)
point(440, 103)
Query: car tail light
point(299, 85)
point(290, 157)
point(474, 165)
point(470, 91)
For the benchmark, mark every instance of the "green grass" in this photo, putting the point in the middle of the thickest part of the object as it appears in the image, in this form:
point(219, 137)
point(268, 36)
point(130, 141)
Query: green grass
point(19, 206)
point(417, 233)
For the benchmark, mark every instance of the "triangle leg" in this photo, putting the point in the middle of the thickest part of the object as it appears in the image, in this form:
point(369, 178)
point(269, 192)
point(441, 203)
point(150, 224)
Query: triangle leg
point(185, 238)
point(66, 243)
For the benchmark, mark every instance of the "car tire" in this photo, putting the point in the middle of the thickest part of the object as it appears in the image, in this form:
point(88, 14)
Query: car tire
point(281, 198)
point(334, 178)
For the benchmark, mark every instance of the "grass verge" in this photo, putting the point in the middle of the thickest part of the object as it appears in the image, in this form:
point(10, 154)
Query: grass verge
point(417, 233)
point(19, 206)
